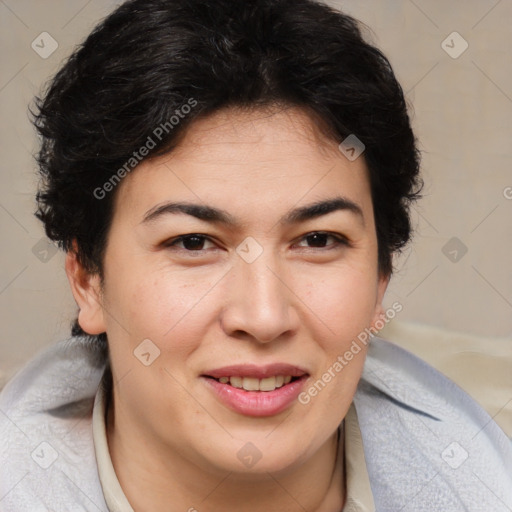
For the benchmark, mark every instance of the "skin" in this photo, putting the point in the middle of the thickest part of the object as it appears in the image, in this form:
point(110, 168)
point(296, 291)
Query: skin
point(302, 301)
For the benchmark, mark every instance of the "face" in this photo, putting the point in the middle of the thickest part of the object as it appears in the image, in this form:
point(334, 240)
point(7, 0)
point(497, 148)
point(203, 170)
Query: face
point(247, 257)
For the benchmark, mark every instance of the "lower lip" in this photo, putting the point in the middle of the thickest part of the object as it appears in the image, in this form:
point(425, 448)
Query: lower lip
point(257, 403)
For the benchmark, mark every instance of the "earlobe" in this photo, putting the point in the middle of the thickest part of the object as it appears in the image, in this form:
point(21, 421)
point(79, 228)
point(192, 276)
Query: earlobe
point(86, 290)
point(379, 316)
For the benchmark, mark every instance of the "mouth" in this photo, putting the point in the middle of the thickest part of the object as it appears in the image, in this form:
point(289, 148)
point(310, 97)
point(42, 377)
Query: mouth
point(256, 391)
point(266, 384)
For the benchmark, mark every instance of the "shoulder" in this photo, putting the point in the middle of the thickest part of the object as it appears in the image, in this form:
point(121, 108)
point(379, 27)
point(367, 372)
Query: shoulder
point(46, 451)
point(428, 445)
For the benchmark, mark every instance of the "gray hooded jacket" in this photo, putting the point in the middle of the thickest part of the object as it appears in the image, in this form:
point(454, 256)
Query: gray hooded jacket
point(428, 445)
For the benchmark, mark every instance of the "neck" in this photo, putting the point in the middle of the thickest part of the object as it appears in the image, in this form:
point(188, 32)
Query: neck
point(155, 477)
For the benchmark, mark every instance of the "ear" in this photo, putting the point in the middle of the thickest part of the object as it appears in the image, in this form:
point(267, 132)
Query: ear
point(379, 313)
point(87, 292)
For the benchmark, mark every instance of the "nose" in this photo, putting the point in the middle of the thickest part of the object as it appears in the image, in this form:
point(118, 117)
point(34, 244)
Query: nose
point(261, 304)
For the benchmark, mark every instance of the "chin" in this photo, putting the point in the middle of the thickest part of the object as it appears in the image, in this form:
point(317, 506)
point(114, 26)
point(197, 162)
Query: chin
point(251, 456)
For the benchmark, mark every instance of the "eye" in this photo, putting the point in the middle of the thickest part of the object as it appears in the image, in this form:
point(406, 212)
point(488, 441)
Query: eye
point(322, 240)
point(192, 242)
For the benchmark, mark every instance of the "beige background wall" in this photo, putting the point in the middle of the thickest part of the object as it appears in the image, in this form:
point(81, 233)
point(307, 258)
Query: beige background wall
point(462, 115)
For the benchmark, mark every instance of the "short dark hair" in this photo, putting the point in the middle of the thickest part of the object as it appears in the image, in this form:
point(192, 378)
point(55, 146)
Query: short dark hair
point(149, 58)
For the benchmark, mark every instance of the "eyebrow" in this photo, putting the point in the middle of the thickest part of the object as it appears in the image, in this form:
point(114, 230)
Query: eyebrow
point(219, 216)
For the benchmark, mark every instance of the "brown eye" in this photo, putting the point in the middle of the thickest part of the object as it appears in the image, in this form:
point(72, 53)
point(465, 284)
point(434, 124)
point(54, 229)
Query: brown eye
point(317, 239)
point(321, 240)
point(193, 242)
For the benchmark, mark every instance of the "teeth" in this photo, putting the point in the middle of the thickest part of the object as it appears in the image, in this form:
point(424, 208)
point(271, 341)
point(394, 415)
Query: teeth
point(268, 384)
point(254, 384)
point(236, 382)
point(251, 384)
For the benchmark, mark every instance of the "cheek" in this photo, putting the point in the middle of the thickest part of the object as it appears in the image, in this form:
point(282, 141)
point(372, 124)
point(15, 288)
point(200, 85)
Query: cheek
point(168, 310)
point(344, 302)
point(161, 305)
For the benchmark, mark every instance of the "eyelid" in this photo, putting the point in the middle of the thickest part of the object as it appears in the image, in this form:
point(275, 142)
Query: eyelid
point(172, 242)
point(338, 237)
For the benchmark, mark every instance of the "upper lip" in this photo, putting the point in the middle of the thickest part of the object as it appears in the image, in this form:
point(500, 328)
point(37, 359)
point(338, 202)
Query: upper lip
point(259, 372)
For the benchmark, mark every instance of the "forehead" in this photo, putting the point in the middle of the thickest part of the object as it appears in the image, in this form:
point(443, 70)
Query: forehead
point(252, 124)
point(263, 160)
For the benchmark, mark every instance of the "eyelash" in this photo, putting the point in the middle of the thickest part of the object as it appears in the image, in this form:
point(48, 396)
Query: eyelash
point(339, 240)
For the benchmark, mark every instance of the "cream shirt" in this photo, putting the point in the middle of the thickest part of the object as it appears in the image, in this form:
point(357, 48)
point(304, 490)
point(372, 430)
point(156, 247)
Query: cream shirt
point(359, 494)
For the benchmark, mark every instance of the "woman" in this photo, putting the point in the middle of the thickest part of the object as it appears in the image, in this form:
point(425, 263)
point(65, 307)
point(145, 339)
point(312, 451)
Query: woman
point(230, 181)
